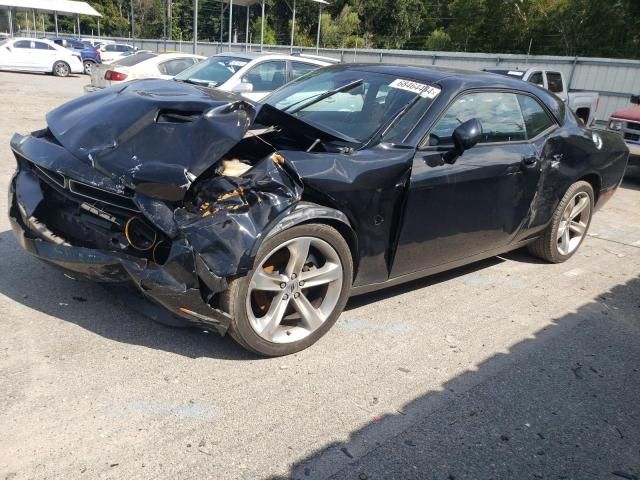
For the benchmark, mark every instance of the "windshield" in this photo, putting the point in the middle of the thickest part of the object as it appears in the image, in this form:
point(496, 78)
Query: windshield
point(351, 102)
point(214, 70)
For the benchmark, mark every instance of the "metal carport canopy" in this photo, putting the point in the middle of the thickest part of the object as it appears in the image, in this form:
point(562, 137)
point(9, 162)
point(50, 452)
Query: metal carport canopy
point(68, 7)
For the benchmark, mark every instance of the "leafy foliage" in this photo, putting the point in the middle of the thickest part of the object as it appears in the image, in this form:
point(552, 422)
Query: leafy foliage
point(561, 27)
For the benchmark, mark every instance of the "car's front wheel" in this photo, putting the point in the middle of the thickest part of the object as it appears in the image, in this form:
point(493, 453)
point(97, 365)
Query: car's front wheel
point(296, 291)
point(88, 67)
point(568, 226)
point(61, 69)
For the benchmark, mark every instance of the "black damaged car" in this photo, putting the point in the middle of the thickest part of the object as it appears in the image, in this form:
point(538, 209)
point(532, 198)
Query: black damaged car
point(261, 220)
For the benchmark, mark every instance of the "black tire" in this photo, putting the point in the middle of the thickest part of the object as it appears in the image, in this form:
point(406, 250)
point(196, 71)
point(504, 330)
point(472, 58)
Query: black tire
point(234, 299)
point(88, 66)
point(546, 246)
point(61, 69)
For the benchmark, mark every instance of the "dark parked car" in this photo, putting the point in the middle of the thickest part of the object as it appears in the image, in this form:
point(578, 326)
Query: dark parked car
point(261, 220)
point(90, 55)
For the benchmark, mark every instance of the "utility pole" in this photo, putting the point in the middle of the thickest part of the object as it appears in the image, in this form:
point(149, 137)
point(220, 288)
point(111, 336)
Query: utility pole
point(133, 26)
point(170, 17)
point(164, 23)
point(195, 26)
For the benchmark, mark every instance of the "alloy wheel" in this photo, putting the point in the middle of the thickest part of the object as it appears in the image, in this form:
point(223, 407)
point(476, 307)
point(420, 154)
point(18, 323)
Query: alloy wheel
point(62, 70)
point(294, 290)
point(574, 223)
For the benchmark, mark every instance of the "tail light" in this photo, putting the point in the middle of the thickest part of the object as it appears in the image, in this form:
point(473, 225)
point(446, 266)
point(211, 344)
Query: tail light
point(115, 76)
point(98, 54)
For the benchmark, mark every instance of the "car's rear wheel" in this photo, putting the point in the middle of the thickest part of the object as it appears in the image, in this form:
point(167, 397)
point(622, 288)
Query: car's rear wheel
point(568, 226)
point(296, 291)
point(61, 69)
point(88, 67)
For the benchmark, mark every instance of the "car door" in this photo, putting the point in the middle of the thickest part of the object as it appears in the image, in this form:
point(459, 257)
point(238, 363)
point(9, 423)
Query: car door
point(7, 52)
point(109, 53)
point(479, 203)
point(44, 56)
point(264, 78)
point(21, 56)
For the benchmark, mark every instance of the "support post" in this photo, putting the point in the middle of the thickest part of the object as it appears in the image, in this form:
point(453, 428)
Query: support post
point(55, 20)
point(78, 19)
point(195, 26)
point(133, 26)
point(246, 33)
point(98, 28)
point(262, 29)
point(319, 24)
point(221, 23)
point(293, 26)
point(164, 23)
point(230, 22)
point(35, 25)
point(10, 23)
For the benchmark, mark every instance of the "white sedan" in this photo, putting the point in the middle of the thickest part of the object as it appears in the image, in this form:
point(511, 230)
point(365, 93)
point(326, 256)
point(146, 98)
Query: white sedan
point(31, 55)
point(115, 51)
point(253, 75)
point(138, 66)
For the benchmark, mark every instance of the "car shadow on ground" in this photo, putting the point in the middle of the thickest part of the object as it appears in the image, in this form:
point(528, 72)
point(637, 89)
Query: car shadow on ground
point(559, 405)
point(39, 286)
point(44, 288)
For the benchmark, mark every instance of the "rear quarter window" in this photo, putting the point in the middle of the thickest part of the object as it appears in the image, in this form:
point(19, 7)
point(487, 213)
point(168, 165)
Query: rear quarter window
point(536, 119)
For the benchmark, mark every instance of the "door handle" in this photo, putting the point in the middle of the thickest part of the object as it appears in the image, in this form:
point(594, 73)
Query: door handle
point(529, 162)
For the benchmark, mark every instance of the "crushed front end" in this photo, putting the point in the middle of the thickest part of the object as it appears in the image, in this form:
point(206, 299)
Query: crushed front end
point(177, 233)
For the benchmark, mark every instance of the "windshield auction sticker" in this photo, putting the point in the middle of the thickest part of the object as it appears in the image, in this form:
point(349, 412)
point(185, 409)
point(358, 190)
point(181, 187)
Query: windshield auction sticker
point(420, 88)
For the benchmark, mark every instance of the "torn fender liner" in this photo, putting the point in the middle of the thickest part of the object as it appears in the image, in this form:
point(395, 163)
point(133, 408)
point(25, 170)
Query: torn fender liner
point(154, 136)
point(230, 215)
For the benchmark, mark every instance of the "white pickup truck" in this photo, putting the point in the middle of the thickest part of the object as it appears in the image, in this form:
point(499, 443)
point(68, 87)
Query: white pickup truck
point(583, 103)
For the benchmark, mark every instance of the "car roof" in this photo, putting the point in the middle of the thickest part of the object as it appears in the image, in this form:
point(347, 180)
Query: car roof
point(428, 74)
point(457, 79)
point(45, 40)
point(273, 56)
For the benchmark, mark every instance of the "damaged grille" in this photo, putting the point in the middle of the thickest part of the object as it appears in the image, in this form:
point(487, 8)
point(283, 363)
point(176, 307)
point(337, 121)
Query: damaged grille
point(86, 191)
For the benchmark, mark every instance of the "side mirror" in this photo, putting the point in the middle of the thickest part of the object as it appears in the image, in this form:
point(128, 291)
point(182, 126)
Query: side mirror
point(465, 136)
point(243, 87)
point(635, 99)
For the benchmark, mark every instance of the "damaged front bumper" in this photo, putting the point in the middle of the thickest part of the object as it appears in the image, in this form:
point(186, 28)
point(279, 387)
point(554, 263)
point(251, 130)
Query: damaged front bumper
point(175, 286)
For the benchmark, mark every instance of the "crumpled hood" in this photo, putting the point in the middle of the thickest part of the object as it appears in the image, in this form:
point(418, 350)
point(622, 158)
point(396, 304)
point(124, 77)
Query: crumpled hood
point(154, 136)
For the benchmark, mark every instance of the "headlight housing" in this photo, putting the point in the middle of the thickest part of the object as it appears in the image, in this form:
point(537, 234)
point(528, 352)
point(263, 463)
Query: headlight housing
point(615, 124)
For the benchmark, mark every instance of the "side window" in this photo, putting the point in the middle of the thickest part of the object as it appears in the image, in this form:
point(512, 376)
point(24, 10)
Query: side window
point(554, 81)
point(266, 76)
point(536, 78)
point(22, 44)
point(41, 46)
point(499, 113)
point(175, 66)
point(536, 118)
point(110, 48)
point(300, 68)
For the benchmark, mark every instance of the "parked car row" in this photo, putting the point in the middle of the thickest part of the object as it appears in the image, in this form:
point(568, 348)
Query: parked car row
point(31, 55)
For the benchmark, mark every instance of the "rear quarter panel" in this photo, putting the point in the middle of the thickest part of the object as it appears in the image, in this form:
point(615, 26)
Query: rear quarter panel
point(569, 154)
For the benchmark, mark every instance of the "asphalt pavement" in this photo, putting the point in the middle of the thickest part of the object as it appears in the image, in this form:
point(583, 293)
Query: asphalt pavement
point(506, 369)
